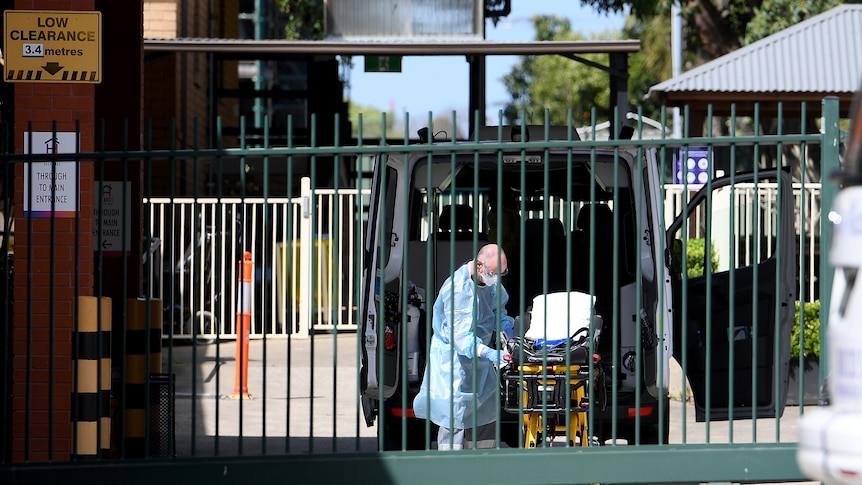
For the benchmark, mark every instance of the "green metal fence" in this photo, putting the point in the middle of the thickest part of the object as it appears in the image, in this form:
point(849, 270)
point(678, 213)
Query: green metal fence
point(164, 404)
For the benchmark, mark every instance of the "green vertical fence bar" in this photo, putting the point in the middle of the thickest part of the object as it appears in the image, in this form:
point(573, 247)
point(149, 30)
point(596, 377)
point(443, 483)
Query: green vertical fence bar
point(582, 464)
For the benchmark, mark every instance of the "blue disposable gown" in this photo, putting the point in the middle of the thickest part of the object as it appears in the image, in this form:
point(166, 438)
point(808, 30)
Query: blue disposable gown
point(452, 379)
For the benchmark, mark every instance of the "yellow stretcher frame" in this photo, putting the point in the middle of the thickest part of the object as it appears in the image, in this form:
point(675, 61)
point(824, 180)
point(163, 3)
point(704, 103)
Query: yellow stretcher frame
point(540, 398)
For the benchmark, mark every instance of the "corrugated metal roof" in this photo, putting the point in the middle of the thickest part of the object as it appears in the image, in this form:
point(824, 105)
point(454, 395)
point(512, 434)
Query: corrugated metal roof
point(820, 55)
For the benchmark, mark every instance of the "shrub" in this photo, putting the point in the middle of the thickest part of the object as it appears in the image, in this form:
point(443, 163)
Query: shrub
point(695, 258)
point(810, 331)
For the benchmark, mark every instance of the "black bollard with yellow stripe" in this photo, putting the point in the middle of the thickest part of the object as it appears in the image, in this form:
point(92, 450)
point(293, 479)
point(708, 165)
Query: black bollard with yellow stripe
point(91, 398)
point(143, 325)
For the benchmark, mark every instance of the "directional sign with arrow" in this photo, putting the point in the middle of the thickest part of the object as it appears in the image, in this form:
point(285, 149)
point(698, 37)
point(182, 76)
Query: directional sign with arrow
point(113, 214)
point(52, 67)
point(53, 46)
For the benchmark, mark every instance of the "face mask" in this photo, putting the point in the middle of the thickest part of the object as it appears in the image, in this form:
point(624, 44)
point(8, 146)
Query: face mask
point(489, 279)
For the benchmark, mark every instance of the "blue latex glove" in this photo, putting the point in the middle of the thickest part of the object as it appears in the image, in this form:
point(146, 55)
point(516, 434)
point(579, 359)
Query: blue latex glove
point(508, 329)
point(500, 358)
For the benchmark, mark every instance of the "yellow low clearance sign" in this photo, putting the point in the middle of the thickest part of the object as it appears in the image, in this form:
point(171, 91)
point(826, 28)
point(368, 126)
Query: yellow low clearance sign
point(53, 46)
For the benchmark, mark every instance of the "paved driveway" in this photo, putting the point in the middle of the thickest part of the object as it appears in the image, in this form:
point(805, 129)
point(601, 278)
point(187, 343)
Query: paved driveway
point(304, 400)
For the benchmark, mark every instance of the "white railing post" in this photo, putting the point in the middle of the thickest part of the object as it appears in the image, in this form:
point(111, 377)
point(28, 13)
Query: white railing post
point(306, 248)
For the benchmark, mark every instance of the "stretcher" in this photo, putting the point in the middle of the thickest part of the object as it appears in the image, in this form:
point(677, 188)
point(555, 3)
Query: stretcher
point(551, 387)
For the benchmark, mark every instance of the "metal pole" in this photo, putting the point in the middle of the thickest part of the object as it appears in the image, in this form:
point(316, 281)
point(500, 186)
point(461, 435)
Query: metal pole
point(676, 59)
point(306, 245)
point(259, 9)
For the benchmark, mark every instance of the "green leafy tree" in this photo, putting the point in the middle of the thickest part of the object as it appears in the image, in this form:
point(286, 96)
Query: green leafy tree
point(717, 27)
point(372, 123)
point(714, 28)
point(776, 15)
point(556, 83)
point(771, 17)
point(304, 19)
point(651, 65)
point(711, 28)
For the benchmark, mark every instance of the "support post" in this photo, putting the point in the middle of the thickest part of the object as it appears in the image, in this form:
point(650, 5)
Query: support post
point(92, 366)
point(619, 68)
point(143, 357)
point(306, 245)
point(243, 327)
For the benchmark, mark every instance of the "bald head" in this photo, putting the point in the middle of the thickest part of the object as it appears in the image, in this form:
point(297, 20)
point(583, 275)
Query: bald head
point(492, 260)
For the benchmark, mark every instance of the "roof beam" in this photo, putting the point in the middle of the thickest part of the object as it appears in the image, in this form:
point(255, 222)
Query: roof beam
point(391, 48)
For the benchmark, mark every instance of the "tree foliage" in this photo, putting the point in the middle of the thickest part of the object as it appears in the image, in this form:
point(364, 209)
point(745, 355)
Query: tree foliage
point(554, 83)
point(717, 27)
point(638, 8)
point(373, 124)
point(712, 28)
point(776, 15)
point(810, 330)
point(651, 65)
point(304, 19)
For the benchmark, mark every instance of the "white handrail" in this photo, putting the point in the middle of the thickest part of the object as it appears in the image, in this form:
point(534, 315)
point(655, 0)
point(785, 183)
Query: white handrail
point(306, 263)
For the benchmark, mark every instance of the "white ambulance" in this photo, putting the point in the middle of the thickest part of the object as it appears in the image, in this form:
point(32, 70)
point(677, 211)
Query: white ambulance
point(589, 218)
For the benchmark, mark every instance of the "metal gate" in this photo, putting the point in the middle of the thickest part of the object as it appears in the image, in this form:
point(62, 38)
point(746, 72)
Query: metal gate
point(195, 239)
point(287, 406)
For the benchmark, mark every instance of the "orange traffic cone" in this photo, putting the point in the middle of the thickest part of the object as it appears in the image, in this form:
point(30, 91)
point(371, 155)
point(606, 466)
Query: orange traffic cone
point(243, 326)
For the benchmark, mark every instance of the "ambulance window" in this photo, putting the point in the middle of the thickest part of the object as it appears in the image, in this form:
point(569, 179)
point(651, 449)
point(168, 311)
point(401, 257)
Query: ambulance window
point(742, 226)
point(438, 210)
point(389, 193)
point(752, 224)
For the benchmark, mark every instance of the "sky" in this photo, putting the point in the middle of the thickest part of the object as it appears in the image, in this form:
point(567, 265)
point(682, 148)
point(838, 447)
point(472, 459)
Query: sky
point(441, 84)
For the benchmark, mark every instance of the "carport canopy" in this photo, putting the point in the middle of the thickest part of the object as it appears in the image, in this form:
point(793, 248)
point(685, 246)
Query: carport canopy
point(474, 51)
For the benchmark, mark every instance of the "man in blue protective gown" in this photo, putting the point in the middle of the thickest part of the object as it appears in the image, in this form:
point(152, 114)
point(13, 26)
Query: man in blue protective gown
point(460, 376)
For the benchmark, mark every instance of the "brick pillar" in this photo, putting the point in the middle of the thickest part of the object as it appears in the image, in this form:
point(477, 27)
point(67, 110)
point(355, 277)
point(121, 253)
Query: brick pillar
point(49, 270)
point(120, 98)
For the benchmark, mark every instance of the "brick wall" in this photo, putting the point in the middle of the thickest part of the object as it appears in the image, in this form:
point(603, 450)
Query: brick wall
point(177, 88)
point(160, 19)
point(53, 263)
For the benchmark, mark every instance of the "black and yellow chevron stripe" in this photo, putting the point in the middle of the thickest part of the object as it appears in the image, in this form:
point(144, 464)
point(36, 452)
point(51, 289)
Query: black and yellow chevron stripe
point(64, 76)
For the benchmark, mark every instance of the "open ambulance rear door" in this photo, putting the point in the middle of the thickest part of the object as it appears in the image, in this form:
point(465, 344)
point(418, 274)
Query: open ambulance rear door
point(733, 312)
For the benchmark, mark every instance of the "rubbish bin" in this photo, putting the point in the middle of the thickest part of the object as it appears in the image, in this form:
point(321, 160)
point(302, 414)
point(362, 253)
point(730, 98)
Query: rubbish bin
point(162, 441)
point(289, 284)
